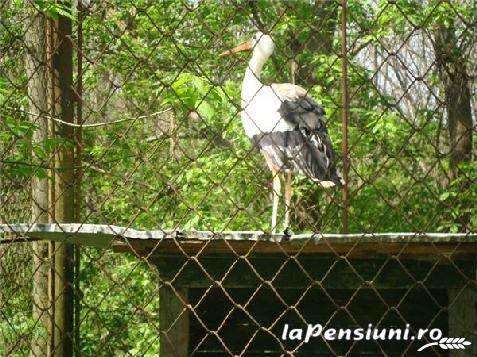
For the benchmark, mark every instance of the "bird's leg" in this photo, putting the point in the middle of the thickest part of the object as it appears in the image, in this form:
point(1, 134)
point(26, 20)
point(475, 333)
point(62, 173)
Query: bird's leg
point(276, 187)
point(288, 194)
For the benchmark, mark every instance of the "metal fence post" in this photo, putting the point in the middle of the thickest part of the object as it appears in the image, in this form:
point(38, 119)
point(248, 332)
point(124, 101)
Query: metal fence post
point(344, 116)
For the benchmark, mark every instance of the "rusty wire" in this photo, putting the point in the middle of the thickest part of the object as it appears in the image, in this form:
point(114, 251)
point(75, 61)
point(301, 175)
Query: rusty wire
point(157, 145)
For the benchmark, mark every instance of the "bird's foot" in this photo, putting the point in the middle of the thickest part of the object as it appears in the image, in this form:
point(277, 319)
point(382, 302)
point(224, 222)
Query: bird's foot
point(287, 232)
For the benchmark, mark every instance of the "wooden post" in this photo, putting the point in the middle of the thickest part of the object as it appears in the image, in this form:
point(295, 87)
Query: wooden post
point(63, 192)
point(174, 321)
point(78, 175)
point(463, 319)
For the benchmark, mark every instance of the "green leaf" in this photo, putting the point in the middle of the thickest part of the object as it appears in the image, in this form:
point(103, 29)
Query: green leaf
point(55, 10)
point(205, 110)
point(444, 196)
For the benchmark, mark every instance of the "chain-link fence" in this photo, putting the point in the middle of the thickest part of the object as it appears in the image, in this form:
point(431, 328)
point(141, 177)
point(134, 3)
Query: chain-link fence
point(136, 114)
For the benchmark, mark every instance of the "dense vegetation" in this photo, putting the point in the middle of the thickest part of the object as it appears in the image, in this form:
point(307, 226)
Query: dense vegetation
point(191, 166)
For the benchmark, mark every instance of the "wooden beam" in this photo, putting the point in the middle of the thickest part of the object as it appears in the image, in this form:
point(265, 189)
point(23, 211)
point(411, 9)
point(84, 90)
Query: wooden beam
point(463, 318)
point(366, 249)
point(174, 318)
point(307, 270)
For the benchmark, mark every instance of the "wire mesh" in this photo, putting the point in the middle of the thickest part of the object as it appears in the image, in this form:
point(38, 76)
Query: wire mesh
point(124, 113)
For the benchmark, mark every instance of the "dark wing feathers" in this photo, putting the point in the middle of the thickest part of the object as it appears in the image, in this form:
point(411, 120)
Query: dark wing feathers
point(308, 118)
point(303, 112)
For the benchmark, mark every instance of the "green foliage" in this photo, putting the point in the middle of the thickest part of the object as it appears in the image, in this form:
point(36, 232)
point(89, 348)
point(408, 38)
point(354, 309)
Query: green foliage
point(119, 305)
point(200, 172)
point(55, 9)
point(459, 198)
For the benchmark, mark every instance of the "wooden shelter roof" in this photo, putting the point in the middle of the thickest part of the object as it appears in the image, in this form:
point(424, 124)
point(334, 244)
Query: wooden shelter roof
point(160, 242)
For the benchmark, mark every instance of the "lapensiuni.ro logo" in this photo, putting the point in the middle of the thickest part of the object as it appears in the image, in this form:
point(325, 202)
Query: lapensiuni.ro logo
point(371, 333)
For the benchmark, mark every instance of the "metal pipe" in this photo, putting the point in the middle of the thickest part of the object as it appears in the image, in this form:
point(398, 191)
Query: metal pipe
point(344, 116)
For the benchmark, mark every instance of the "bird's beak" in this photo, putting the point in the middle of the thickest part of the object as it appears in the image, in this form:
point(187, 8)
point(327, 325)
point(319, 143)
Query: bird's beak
point(246, 46)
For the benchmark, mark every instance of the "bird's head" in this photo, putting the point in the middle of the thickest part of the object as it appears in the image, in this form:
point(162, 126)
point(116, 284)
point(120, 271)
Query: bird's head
point(261, 43)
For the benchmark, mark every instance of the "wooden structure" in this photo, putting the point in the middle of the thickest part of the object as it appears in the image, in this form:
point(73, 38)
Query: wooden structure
point(232, 292)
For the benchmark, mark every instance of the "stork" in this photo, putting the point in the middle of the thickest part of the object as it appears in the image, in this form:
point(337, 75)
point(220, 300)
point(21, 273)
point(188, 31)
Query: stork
point(287, 125)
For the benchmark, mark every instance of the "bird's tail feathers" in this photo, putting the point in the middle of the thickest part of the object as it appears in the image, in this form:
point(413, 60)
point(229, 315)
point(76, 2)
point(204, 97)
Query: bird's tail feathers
point(339, 180)
point(336, 180)
point(325, 184)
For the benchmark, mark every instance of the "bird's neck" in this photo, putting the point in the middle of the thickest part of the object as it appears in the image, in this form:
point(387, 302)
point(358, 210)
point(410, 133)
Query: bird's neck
point(251, 83)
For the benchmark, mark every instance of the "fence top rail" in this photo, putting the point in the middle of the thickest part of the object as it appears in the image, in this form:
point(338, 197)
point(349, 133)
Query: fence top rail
point(170, 241)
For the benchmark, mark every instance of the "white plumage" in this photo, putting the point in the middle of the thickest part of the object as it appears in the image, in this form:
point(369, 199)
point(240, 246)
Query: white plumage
point(262, 103)
point(286, 124)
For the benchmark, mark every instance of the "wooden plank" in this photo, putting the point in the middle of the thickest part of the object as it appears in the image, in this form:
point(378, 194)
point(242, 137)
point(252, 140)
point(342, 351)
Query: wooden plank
point(236, 330)
point(174, 318)
point(267, 305)
point(364, 249)
point(326, 272)
point(463, 318)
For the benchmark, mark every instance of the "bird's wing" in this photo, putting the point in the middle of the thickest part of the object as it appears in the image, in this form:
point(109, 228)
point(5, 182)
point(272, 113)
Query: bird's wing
point(307, 118)
point(288, 91)
point(298, 108)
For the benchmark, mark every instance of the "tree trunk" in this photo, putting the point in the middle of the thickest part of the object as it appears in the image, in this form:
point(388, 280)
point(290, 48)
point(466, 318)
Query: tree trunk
point(326, 15)
point(453, 74)
point(36, 71)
